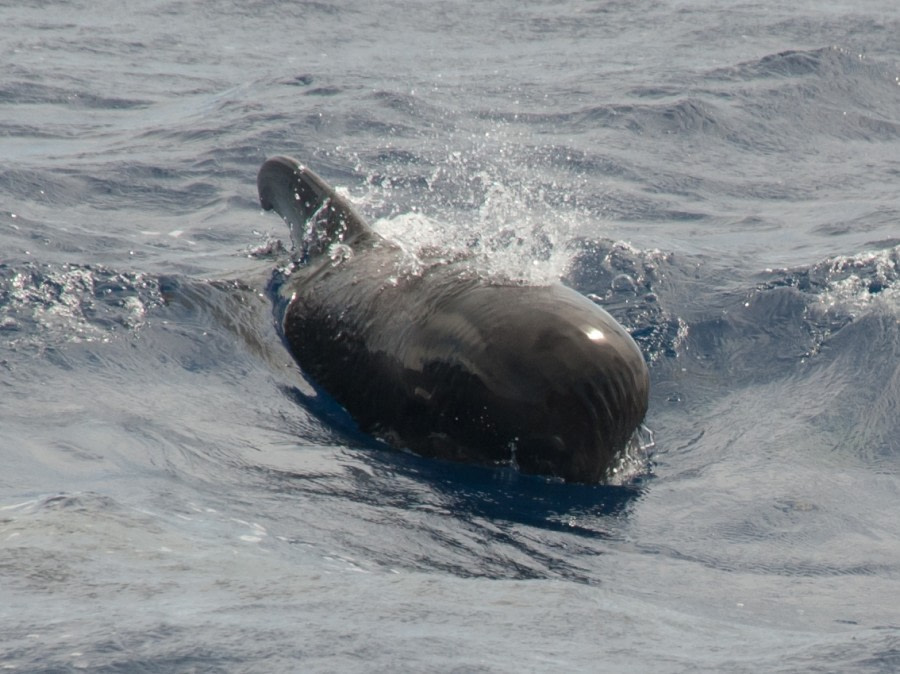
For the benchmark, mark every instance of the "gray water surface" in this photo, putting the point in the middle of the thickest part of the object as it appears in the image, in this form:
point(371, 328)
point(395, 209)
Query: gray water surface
point(722, 178)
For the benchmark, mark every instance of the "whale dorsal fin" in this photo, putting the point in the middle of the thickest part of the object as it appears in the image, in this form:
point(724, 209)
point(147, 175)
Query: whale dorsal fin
point(316, 214)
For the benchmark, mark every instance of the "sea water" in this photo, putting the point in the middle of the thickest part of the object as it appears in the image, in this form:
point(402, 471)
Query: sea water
point(723, 178)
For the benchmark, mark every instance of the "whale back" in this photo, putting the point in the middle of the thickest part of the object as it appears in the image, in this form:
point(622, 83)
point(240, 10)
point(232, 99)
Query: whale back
point(316, 214)
point(450, 364)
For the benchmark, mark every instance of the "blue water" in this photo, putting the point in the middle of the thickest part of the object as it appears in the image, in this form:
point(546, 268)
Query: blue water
point(722, 178)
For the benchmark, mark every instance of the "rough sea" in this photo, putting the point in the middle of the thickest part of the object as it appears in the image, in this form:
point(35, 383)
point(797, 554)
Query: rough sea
point(724, 178)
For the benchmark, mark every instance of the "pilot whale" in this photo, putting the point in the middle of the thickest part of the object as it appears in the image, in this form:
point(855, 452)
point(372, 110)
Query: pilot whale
point(443, 361)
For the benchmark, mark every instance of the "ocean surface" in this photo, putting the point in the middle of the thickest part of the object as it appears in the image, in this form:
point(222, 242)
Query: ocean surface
point(724, 178)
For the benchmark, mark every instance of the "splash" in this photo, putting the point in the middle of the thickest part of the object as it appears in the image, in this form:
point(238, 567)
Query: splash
point(46, 305)
point(482, 199)
point(845, 285)
point(634, 461)
point(860, 281)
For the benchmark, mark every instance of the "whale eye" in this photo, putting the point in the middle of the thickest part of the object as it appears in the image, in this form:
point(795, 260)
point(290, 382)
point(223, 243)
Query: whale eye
point(593, 334)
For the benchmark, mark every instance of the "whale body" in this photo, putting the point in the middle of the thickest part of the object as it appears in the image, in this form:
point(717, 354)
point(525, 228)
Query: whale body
point(445, 362)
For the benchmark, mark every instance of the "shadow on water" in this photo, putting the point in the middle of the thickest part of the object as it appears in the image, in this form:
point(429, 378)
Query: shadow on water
point(503, 494)
point(380, 475)
point(401, 511)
